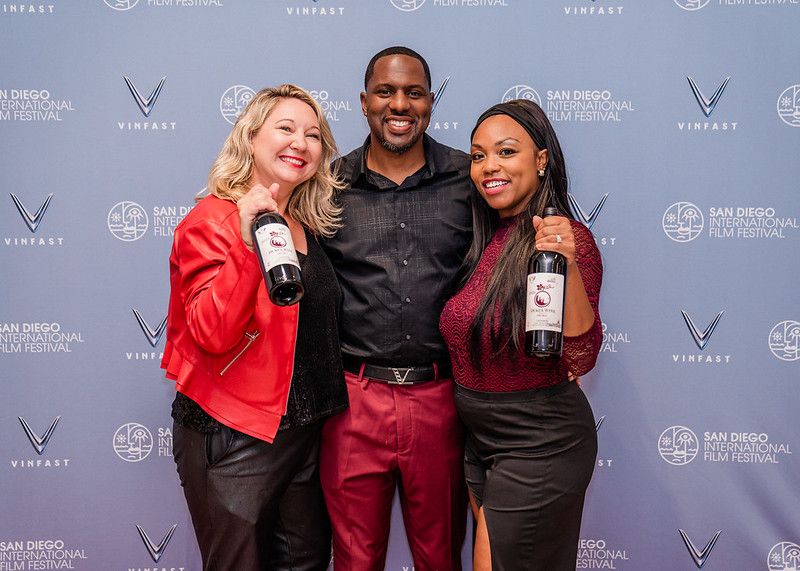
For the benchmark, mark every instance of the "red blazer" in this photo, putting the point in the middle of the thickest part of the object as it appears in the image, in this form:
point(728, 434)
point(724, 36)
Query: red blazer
point(230, 349)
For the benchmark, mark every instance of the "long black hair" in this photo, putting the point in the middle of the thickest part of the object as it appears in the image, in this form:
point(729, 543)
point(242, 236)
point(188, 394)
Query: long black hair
point(503, 304)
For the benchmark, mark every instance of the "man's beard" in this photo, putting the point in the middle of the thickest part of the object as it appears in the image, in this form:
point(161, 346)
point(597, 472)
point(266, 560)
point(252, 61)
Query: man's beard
point(398, 149)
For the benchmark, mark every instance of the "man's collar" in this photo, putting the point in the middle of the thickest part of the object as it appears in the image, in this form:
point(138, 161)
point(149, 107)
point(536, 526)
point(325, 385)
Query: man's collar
point(437, 158)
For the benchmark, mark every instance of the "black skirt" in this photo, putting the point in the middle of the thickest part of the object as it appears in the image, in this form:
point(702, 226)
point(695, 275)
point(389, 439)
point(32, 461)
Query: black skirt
point(528, 460)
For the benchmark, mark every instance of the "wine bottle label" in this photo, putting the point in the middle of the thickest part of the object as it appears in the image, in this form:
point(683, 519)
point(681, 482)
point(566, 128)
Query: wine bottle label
point(276, 246)
point(545, 303)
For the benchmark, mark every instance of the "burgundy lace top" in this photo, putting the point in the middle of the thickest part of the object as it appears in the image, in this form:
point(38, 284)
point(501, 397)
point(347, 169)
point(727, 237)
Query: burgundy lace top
point(506, 372)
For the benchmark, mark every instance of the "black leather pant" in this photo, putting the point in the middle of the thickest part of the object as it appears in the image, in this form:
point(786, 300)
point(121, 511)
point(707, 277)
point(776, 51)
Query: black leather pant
point(254, 505)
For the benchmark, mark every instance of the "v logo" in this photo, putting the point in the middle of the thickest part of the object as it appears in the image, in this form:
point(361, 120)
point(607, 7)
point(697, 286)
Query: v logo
point(599, 423)
point(699, 555)
point(32, 220)
point(587, 219)
point(39, 443)
point(156, 550)
point(153, 335)
point(146, 104)
point(438, 93)
point(701, 339)
point(707, 105)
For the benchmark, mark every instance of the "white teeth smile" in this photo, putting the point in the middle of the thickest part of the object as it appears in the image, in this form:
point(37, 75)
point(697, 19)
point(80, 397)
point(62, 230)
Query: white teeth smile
point(293, 161)
point(495, 183)
point(396, 123)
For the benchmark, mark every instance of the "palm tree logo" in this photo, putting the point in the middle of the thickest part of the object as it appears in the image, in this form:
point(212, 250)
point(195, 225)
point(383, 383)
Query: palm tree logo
point(683, 222)
point(128, 221)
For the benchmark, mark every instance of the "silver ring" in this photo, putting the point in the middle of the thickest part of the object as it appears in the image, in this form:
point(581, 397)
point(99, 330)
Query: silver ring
point(558, 239)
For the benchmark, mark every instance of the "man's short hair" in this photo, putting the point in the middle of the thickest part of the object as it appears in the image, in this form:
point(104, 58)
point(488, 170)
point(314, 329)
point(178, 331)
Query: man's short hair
point(396, 50)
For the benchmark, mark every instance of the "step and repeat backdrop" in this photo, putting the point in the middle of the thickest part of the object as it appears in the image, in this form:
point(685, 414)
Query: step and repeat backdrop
point(680, 120)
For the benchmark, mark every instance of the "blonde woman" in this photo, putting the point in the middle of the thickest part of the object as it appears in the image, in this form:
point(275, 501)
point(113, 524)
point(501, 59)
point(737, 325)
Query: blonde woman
point(254, 380)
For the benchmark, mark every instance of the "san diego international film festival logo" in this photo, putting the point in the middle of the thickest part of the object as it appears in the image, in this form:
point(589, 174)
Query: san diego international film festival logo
point(789, 106)
point(145, 104)
point(784, 556)
point(33, 221)
point(707, 106)
point(125, 5)
point(682, 222)
point(128, 221)
point(133, 442)
point(594, 105)
point(32, 104)
point(691, 5)
point(233, 101)
point(39, 444)
point(413, 5)
point(784, 340)
point(679, 445)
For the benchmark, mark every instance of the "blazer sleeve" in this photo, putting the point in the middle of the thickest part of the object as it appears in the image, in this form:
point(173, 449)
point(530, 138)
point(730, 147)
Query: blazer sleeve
point(218, 282)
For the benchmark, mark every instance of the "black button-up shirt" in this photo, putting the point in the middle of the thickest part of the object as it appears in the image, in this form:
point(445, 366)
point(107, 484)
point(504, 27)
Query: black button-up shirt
point(398, 255)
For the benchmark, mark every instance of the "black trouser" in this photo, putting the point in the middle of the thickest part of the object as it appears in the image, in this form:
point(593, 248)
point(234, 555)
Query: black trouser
point(255, 505)
point(529, 457)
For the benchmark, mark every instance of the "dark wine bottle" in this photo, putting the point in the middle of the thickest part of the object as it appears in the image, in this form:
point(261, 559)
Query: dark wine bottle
point(544, 312)
point(275, 250)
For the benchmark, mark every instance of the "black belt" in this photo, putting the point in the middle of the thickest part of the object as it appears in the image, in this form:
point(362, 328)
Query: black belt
point(397, 375)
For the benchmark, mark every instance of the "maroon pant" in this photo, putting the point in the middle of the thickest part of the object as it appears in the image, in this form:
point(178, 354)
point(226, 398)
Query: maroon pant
point(394, 436)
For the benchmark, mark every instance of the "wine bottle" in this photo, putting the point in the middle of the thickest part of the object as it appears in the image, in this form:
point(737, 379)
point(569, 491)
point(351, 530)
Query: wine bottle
point(544, 312)
point(275, 250)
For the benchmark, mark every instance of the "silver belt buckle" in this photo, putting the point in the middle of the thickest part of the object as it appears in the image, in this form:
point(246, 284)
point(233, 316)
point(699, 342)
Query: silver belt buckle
point(400, 380)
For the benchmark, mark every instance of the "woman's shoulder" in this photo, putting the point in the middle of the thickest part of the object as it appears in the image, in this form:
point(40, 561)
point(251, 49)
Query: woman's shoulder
point(210, 210)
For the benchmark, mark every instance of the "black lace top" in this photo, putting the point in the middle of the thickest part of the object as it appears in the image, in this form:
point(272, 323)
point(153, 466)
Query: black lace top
point(317, 388)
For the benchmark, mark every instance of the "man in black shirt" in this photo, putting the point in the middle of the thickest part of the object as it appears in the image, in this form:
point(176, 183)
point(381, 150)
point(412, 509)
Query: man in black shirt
point(407, 226)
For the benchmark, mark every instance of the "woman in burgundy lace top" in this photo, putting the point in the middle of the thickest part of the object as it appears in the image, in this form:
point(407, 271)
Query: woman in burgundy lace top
point(531, 441)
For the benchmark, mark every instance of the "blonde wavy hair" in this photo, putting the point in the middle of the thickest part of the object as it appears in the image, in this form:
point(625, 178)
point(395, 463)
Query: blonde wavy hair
point(311, 203)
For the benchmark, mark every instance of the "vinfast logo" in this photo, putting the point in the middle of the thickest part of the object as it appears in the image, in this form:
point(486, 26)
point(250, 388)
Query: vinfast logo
point(691, 5)
point(439, 93)
point(39, 443)
point(784, 556)
point(707, 105)
point(701, 339)
point(233, 102)
point(784, 340)
point(407, 5)
point(153, 335)
point(587, 219)
point(156, 550)
point(522, 91)
point(32, 220)
point(678, 445)
point(447, 123)
point(145, 104)
point(699, 556)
